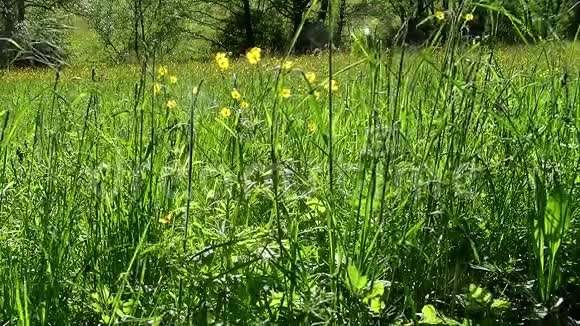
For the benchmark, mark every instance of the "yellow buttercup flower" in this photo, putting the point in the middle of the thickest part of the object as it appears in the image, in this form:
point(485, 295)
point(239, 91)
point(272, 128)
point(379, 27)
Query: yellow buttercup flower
point(285, 92)
point(312, 127)
point(288, 65)
point(332, 85)
point(236, 95)
point(162, 71)
point(244, 105)
point(226, 112)
point(468, 17)
point(171, 104)
point(317, 95)
point(254, 55)
point(440, 15)
point(167, 218)
point(311, 77)
point(173, 80)
point(156, 88)
point(222, 61)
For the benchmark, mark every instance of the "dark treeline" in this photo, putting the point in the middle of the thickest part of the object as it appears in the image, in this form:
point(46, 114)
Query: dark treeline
point(127, 28)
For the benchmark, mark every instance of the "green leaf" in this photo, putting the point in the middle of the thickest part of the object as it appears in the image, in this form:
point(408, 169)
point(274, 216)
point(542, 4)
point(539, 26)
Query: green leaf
point(500, 304)
point(355, 281)
point(430, 315)
point(557, 219)
point(376, 306)
point(316, 205)
point(412, 231)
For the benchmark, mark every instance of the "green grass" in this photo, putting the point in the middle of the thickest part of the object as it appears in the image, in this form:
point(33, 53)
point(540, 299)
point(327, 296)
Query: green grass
point(450, 171)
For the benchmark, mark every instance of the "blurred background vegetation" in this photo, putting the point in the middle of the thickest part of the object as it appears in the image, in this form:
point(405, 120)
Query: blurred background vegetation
point(56, 31)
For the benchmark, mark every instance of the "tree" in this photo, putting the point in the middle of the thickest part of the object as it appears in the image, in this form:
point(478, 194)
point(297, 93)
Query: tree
point(32, 31)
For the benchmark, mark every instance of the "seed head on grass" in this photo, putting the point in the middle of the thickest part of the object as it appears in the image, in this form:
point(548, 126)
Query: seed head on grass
point(254, 55)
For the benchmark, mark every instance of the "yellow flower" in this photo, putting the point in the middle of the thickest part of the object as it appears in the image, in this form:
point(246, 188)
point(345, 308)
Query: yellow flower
point(254, 55)
point(173, 80)
point(162, 71)
point(195, 91)
point(288, 65)
point(317, 95)
point(236, 95)
point(171, 104)
point(222, 61)
point(226, 112)
point(312, 127)
point(167, 218)
point(440, 15)
point(468, 17)
point(156, 88)
point(332, 85)
point(244, 105)
point(311, 77)
point(285, 93)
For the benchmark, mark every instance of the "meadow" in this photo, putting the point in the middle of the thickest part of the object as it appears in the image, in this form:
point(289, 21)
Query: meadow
point(430, 186)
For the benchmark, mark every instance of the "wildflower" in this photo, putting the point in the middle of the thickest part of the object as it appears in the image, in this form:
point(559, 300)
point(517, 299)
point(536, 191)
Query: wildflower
point(440, 15)
point(236, 95)
point(311, 77)
point(173, 80)
point(222, 61)
point(254, 55)
point(162, 71)
point(244, 105)
point(288, 65)
point(226, 112)
point(332, 85)
point(317, 95)
point(312, 127)
point(195, 91)
point(171, 104)
point(167, 218)
point(156, 88)
point(468, 17)
point(285, 93)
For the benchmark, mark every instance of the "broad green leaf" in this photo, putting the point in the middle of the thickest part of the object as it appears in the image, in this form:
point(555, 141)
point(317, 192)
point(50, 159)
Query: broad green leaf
point(316, 205)
point(430, 315)
point(355, 281)
point(412, 231)
point(500, 304)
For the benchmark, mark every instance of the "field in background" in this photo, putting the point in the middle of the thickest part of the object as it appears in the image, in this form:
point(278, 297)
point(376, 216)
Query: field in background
point(428, 200)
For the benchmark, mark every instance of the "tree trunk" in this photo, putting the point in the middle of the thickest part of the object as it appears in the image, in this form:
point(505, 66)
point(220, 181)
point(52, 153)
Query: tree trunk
point(323, 10)
point(8, 21)
point(20, 11)
point(7, 31)
point(341, 23)
point(250, 40)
